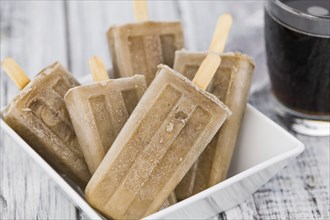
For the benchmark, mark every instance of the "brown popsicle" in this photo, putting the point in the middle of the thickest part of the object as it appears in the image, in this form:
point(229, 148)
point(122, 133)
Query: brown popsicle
point(39, 115)
point(231, 85)
point(168, 130)
point(98, 111)
point(138, 48)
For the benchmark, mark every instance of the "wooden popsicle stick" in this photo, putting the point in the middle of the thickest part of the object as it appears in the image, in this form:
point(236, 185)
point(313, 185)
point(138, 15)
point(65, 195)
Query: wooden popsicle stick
point(207, 70)
point(141, 10)
point(220, 34)
point(98, 70)
point(212, 62)
point(15, 72)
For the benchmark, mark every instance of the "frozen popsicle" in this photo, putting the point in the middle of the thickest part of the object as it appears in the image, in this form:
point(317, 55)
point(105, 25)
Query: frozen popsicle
point(138, 48)
point(168, 130)
point(39, 115)
point(231, 85)
point(98, 111)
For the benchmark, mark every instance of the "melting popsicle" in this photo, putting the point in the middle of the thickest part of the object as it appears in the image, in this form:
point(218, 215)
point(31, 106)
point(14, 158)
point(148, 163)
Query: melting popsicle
point(168, 130)
point(99, 111)
point(230, 84)
point(138, 48)
point(39, 115)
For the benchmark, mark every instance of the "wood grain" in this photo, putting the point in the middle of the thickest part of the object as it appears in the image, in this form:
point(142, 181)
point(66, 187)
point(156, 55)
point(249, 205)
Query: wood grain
point(40, 32)
point(32, 33)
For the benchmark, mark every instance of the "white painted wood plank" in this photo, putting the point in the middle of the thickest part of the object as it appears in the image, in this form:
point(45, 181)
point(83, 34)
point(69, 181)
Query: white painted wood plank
point(88, 23)
point(34, 34)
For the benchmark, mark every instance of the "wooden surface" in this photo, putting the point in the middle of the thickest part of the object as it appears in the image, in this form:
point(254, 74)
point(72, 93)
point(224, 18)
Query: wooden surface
point(40, 32)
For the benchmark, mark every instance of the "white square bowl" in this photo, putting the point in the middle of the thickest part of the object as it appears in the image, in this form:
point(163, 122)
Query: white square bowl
point(263, 148)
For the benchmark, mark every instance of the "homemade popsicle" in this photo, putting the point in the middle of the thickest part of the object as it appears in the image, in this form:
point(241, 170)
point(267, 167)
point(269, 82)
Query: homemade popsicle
point(99, 111)
point(230, 84)
point(39, 115)
point(167, 131)
point(138, 48)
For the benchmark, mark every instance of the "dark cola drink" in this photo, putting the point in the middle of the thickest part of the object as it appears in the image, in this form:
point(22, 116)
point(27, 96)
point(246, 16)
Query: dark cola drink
point(298, 56)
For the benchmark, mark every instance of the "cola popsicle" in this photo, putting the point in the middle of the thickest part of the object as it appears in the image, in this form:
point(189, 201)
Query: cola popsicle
point(138, 48)
point(98, 111)
point(231, 85)
point(39, 115)
point(167, 131)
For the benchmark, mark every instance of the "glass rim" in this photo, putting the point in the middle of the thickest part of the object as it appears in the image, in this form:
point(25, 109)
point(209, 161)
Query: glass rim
point(300, 13)
point(298, 20)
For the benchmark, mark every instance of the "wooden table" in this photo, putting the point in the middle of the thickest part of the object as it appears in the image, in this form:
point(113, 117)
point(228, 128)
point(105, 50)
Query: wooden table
point(41, 32)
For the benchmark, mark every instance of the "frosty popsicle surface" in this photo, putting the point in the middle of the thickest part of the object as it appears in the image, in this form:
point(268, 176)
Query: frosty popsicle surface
point(138, 48)
point(99, 111)
point(231, 85)
point(168, 130)
point(39, 115)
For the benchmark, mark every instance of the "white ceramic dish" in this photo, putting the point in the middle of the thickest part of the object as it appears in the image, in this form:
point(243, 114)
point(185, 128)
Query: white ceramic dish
point(263, 148)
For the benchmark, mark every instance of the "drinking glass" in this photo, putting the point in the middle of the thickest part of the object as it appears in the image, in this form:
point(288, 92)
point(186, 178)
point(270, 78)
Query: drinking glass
point(297, 36)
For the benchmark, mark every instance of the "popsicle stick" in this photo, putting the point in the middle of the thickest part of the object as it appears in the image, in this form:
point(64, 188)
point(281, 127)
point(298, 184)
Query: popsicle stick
point(98, 70)
point(220, 34)
point(207, 70)
point(212, 62)
point(15, 72)
point(141, 10)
